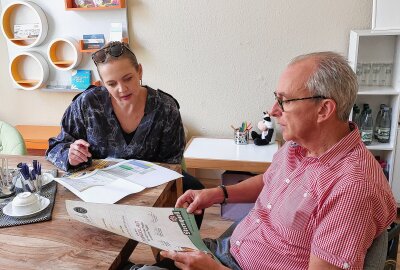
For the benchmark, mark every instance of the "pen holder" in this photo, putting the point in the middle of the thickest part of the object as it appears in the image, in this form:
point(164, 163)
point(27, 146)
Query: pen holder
point(241, 137)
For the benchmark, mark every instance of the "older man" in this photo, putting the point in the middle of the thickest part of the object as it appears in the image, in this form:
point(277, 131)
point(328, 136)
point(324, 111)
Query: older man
point(324, 198)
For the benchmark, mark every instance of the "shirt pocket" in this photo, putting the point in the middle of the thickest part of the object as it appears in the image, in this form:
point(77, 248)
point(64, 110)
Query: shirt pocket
point(296, 208)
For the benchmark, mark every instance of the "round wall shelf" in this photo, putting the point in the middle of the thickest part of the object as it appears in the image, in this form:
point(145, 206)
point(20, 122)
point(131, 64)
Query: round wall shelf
point(29, 70)
point(31, 20)
point(64, 54)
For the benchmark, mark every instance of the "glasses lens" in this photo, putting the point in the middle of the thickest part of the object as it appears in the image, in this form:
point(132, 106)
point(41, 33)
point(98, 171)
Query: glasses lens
point(99, 56)
point(280, 103)
point(116, 49)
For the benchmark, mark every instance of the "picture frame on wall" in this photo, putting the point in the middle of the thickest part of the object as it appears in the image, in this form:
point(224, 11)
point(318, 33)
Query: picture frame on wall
point(385, 15)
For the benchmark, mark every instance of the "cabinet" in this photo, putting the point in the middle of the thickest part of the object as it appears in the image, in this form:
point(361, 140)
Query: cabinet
point(379, 48)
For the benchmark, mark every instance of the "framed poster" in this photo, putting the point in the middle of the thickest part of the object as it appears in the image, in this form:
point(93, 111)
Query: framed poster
point(386, 15)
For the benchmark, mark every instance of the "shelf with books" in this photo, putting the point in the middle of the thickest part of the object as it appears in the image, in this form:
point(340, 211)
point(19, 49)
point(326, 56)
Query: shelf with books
point(17, 31)
point(81, 46)
point(71, 5)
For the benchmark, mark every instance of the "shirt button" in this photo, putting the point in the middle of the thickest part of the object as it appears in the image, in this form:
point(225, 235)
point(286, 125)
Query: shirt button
point(269, 206)
point(305, 194)
point(346, 266)
point(237, 243)
point(287, 180)
point(258, 220)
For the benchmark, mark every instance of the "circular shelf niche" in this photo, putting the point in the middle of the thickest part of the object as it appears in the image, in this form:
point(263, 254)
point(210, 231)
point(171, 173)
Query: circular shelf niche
point(23, 12)
point(29, 70)
point(64, 54)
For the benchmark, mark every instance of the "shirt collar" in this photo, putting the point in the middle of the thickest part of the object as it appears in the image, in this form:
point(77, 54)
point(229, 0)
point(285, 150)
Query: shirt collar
point(338, 150)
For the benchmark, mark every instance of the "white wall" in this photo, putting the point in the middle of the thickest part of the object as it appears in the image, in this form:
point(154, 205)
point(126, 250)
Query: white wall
point(220, 58)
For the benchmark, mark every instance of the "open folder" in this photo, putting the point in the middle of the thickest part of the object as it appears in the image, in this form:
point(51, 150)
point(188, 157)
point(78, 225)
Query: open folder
point(110, 181)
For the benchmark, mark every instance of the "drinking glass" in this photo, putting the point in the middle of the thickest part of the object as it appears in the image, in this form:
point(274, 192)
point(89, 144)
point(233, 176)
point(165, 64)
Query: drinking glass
point(388, 74)
point(375, 72)
point(6, 185)
point(359, 72)
point(366, 74)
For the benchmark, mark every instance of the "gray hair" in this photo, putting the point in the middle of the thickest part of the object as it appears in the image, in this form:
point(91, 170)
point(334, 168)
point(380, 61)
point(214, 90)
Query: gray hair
point(333, 78)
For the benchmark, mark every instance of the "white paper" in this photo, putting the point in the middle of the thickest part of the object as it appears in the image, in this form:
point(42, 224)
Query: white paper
point(110, 182)
point(116, 32)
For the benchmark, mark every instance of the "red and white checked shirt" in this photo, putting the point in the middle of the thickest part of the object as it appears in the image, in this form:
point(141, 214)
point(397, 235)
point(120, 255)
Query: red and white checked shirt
point(332, 206)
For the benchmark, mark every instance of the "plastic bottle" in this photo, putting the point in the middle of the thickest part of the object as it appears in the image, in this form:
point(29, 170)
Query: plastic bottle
point(366, 128)
point(356, 115)
point(378, 120)
point(384, 126)
point(364, 111)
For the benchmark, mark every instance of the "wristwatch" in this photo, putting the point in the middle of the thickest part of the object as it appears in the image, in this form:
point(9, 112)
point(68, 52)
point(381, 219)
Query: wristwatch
point(223, 187)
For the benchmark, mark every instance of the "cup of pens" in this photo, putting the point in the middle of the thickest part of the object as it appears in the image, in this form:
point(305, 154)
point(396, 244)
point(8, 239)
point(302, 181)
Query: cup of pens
point(241, 135)
point(31, 180)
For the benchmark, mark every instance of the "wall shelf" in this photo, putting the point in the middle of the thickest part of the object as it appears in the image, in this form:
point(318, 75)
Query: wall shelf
point(70, 5)
point(81, 49)
point(61, 56)
point(64, 53)
point(18, 12)
point(29, 70)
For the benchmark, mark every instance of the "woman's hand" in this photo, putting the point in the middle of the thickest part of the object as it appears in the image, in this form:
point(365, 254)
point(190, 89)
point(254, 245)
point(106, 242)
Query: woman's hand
point(196, 260)
point(197, 200)
point(78, 152)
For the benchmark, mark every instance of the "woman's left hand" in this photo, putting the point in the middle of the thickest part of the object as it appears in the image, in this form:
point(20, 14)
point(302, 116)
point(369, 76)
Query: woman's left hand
point(196, 260)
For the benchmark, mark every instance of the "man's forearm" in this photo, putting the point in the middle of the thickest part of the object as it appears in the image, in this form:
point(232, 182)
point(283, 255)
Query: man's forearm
point(246, 191)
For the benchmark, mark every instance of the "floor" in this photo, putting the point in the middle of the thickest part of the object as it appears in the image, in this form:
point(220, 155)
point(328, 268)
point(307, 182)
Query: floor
point(212, 227)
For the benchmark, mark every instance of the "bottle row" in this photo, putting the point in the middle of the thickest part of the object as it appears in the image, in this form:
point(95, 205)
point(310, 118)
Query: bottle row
point(370, 130)
point(374, 74)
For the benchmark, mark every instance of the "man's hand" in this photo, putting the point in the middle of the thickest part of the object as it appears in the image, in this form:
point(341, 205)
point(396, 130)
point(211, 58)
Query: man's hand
point(196, 260)
point(197, 200)
point(78, 152)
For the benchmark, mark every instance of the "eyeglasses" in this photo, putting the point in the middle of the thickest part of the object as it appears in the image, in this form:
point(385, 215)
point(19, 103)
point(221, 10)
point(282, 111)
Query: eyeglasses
point(115, 49)
point(280, 101)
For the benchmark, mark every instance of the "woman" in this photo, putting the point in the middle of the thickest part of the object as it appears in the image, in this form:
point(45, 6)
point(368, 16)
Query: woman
point(120, 119)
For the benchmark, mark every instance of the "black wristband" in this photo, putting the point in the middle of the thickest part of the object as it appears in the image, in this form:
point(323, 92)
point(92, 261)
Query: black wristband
point(225, 194)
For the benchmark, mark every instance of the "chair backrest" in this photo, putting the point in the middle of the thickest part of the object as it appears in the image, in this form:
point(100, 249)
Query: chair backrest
point(376, 254)
point(11, 141)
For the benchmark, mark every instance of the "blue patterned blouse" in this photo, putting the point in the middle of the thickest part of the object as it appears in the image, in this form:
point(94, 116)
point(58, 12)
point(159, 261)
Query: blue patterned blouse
point(158, 138)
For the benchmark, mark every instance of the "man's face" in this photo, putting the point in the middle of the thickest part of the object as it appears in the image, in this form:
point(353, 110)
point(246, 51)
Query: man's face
point(298, 118)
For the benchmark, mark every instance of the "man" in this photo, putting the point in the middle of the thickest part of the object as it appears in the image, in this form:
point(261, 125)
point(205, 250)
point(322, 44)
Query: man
point(323, 199)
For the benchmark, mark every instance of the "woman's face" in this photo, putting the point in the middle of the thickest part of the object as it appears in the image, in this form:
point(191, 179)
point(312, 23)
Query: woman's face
point(121, 79)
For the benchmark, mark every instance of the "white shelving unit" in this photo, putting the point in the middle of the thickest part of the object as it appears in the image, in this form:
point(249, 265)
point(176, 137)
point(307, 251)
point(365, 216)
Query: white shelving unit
point(369, 46)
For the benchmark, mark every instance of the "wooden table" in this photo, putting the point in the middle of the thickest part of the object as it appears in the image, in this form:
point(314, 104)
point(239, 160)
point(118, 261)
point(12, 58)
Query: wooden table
point(64, 243)
point(224, 154)
point(37, 137)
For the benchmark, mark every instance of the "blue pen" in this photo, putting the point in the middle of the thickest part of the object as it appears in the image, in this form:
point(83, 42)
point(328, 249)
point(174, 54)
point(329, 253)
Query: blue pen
point(24, 170)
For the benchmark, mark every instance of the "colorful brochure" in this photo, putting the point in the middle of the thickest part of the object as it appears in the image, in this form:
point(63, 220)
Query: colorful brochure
point(112, 183)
